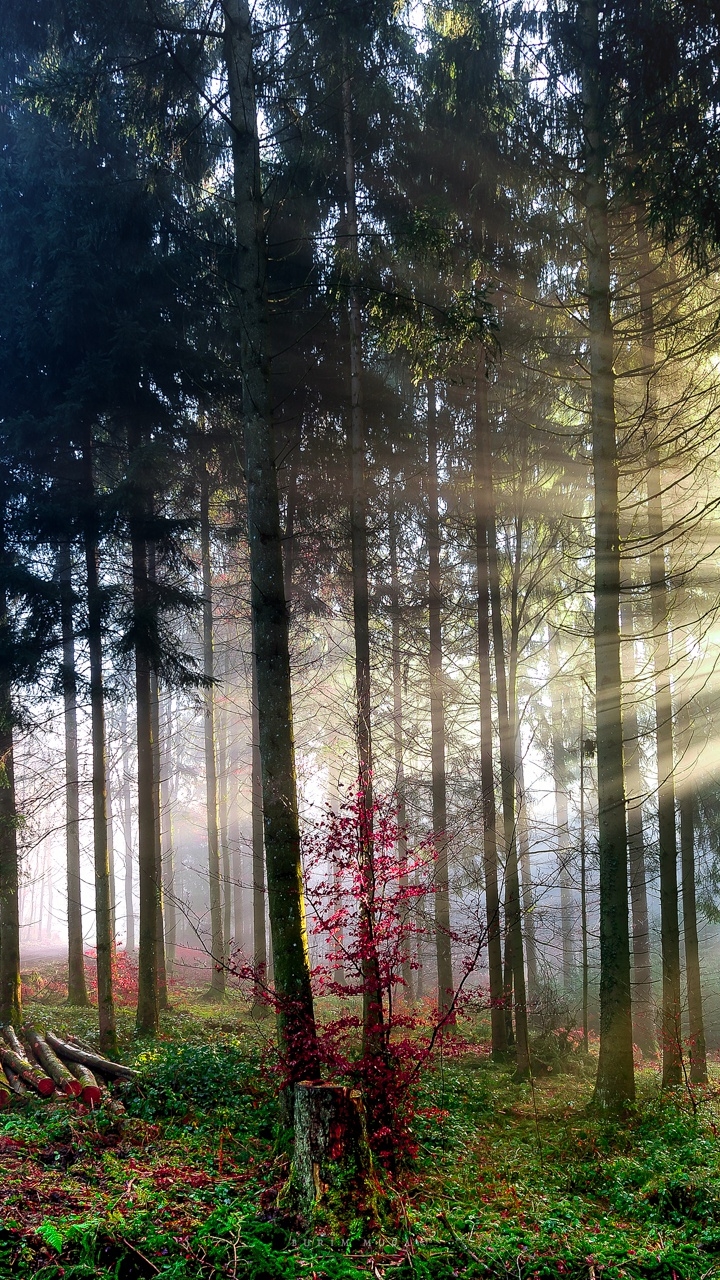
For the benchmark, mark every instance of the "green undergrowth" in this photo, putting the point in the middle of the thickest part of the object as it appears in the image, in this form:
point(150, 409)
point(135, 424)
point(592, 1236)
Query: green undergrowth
point(177, 1176)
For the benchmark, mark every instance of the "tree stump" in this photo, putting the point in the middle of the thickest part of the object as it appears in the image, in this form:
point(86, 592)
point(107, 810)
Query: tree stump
point(333, 1176)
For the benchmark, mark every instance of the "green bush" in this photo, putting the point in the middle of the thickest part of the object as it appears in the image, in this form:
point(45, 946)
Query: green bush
point(200, 1080)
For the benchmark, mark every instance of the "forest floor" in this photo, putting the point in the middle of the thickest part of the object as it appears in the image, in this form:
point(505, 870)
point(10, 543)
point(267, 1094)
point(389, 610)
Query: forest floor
point(508, 1180)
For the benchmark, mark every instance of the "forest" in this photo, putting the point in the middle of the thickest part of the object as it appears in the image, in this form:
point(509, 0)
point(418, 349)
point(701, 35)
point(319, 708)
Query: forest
point(359, 634)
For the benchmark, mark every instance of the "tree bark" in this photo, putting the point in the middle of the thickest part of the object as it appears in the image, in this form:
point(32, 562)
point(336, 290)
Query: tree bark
point(332, 1166)
point(561, 813)
point(77, 987)
point(487, 771)
point(615, 1084)
point(643, 1012)
point(296, 1022)
point(104, 941)
point(52, 1065)
point(437, 725)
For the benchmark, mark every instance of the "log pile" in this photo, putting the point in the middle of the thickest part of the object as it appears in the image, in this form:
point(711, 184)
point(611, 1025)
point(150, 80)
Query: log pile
point(53, 1067)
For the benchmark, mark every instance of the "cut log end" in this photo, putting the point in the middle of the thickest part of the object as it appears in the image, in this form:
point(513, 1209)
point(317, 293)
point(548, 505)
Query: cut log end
point(91, 1095)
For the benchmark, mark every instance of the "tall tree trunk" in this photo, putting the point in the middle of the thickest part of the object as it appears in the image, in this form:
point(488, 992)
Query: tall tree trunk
point(437, 724)
point(686, 804)
point(77, 987)
point(528, 904)
point(147, 1018)
point(222, 722)
point(260, 956)
point(583, 879)
point(127, 834)
point(217, 947)
point(667, 830)
point(696, 1025)
point(643, 1012)
point(234, 831)
point(167, 850)
point(520, 798)
point(289, 539)
point(10, 1001)
point(507, 733)
point(103, 913)
point(398, 739)
point(561, 812)
point(373, 1031)
point(615, 1085)
point(163, 1002)
point(487, 771)
point(296, 1024)
point(111, 848)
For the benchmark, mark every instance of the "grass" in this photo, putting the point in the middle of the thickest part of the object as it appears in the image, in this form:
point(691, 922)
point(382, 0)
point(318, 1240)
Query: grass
point(175, 1180)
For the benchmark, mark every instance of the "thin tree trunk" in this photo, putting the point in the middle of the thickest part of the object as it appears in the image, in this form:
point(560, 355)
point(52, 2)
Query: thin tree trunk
point(583, 880)
point(561, 813)
point(373, 1032)
point(437, 725)
point(528, 904)
point(513, 911)
point(222, 722)
point(234, 832)
point(296, 1023)
point(698, 1056)
point(147, 1018)
point(163, 1002)
point(643, 1013)
point(615, 1085)
point(398, 741)
point(103, 913)
point(166, 836)
point(520, 799)
point(217, 947)
point(127, 834)
point(260, 956)
point(77, 986)
point(111, 849)
point(667, 830)
point(487, 772)
point(10, 1000)
point(686, 803)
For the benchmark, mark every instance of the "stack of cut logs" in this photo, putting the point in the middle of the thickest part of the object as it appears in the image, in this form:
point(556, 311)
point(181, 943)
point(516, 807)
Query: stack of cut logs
point(51, 1066)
